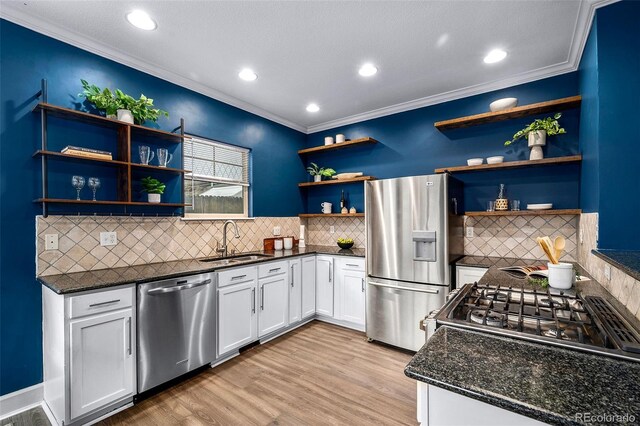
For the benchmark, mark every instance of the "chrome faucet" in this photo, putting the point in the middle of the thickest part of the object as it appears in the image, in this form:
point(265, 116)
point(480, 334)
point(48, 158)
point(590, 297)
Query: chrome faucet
point(223, 250)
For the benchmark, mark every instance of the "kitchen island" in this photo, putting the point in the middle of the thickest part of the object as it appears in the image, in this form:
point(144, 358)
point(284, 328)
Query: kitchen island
point(545, 383)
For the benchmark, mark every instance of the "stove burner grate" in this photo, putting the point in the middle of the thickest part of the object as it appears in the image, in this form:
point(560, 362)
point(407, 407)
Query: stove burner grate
point(492, 319)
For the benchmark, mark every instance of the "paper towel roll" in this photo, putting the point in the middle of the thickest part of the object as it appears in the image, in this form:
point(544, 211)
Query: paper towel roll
point(301, 242)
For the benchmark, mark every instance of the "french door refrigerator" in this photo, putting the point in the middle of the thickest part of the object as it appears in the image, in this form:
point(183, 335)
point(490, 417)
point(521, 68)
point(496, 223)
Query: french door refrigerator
point(414, 230)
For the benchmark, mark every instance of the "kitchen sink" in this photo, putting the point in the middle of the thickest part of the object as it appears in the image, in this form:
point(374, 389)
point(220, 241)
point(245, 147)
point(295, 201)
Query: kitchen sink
point(230, 260)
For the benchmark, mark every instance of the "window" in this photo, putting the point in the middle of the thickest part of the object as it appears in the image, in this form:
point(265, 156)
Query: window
point(217, 180)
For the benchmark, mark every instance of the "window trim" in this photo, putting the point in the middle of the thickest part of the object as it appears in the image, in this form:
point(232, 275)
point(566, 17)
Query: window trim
point(189, 176)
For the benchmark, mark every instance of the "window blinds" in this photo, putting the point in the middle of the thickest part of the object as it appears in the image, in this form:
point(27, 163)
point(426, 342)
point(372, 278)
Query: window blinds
point(216, 162)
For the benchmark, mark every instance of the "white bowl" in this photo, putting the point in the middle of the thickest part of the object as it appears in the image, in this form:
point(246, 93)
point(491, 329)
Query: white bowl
point(474, 161)
point(502, 104)
point(544, 206)
point(495, 160)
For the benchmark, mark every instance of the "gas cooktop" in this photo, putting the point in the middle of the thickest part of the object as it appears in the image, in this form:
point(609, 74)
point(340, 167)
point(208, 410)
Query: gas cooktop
point(559, 318)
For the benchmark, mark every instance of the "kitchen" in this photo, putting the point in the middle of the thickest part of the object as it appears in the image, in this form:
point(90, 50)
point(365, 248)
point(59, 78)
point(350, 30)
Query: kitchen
point(259, 315)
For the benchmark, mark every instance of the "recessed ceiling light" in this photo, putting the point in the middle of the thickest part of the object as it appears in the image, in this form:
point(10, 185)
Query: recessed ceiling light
point(367, 70)
point(496, 55)
point(140, 19)
point(313, 108)
point(247, 75)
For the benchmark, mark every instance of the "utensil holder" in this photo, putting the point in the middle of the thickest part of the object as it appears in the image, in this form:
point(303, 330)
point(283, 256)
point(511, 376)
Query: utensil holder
point(561, 276)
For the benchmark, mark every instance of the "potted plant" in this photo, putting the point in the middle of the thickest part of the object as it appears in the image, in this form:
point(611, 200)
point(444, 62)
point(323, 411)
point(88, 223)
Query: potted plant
point(154, 188)
point(137, 110)
point(319, 172)
point(103, 99)
point(537, 133)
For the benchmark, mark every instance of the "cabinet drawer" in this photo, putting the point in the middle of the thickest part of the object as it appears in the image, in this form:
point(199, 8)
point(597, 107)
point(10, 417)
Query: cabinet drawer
point(102, 301)
point(352, 263)
point(235, 276)
point(272, 268)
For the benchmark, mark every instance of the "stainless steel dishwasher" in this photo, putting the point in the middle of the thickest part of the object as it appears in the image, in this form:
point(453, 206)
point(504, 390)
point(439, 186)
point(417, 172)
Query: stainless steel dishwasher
point(176, 328)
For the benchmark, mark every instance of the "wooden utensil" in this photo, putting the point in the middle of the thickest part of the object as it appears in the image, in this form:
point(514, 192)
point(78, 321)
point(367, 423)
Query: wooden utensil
point(547, 249)
point(559, 243)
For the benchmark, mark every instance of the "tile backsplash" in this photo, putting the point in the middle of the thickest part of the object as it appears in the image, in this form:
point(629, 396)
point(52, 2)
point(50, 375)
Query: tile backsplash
point(144, 240)
point(623, 287)
point(318, 230)
point(515, 236)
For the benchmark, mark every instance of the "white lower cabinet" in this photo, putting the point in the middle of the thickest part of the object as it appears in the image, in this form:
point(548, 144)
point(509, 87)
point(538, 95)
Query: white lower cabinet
point(350, 282)
point(96, 333)
point(274, 304)
point(237, 316)
point(308, 286)
point(295, 290)
point(468, 274)
point(324, 285)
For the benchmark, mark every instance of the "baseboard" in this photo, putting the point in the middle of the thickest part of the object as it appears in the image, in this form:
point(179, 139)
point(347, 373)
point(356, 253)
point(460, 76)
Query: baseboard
point(21, 400)
point(346, 324)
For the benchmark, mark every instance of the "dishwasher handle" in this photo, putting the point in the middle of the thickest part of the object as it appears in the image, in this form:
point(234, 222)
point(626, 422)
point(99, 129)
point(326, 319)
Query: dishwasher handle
point(173, 288)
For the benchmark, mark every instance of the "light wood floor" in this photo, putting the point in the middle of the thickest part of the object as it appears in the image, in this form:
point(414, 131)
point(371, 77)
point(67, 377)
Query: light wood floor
point(317, 374)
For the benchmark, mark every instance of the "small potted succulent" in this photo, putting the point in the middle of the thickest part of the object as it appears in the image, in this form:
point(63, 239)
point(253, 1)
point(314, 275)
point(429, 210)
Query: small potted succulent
point(537, 133)
point(154, 189)
point(318, 172)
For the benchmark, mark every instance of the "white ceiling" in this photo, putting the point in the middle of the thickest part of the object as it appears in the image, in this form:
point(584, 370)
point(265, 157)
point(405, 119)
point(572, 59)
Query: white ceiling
point(310, 51)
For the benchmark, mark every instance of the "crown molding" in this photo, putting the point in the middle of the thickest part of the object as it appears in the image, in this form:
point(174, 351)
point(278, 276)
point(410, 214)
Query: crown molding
point(91, 45)
point(581, 33)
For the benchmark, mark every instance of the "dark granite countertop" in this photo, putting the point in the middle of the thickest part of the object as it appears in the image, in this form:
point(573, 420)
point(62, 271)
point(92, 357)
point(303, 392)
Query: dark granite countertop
point(626, 260)
point(500, 262)
point(103, 278)
point(543, 382)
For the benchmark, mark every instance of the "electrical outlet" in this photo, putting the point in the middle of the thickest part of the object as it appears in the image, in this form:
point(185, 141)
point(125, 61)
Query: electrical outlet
point(108, 238)
point(607, 272)
point(469, 231)
point(332, 229)
point(51, 242)
point(276, 230)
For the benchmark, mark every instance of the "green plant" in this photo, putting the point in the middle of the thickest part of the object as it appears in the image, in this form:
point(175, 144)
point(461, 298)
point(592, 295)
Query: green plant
point(152, 186)
point(141, 109)
point(315, 170)
point(540, 282)
point(549, 124)
point(102, 98)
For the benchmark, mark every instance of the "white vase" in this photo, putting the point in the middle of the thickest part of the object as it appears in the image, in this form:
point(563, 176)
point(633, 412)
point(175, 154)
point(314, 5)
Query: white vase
point(317, 178)
point(154, 198)
point(537, 139)
point(125, 115)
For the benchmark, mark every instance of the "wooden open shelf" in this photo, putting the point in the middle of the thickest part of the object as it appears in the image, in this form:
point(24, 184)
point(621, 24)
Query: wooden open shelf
point(308, 215)
point(517, 112)
point(332, 147)
point(85, 117)
point(527, 212)
point(100, 160)
point(336, 181)
point(511, 164)
point(103, 202)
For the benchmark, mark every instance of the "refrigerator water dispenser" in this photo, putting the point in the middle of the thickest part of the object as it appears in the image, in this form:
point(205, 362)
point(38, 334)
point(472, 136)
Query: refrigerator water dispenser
point(424, 243)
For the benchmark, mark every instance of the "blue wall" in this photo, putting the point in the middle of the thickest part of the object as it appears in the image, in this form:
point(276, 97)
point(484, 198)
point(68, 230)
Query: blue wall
point(27, 57)
point(411, 145)
point(609, 134)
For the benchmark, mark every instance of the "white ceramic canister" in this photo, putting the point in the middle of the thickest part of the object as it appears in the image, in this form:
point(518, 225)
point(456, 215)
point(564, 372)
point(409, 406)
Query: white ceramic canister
point(339, 138)
point(277, 244)
point(328, 140)
point(288, 243)
point(561, 276)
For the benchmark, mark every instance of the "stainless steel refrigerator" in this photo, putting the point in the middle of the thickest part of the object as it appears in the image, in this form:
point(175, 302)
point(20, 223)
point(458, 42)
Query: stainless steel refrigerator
point(414, 230)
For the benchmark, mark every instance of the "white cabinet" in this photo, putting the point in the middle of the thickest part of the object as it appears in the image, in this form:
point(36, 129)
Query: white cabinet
point(308, 286)
point(89, 342)
point(295, 290)
point(324, 285)
point(101, 360)
point(237, 315)
point(274, 303)
point(350, 284)
point(468, 274)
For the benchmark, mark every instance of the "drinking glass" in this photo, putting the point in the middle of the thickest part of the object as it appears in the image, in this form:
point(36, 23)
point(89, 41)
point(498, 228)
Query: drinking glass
point(491, 206)
point(78, 184)
point(164, 157)
point(515, 205)
point(146, 155)
point(94, 184)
